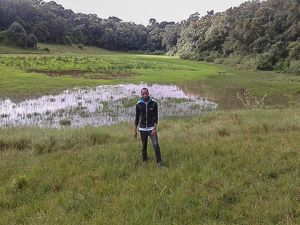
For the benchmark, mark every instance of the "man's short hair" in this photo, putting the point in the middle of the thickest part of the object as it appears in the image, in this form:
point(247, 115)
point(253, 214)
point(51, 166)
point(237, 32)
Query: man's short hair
point(144, 89)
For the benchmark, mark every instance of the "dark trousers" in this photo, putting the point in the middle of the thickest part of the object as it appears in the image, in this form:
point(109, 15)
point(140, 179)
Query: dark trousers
point(154, 140)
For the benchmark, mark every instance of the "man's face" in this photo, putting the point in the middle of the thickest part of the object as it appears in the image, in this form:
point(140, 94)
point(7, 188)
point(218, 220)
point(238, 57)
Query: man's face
point(145, 93)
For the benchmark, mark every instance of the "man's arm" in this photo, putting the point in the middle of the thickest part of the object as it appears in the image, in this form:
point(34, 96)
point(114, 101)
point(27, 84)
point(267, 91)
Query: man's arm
point(137, 117)
point(155, 118)
point(155, 112)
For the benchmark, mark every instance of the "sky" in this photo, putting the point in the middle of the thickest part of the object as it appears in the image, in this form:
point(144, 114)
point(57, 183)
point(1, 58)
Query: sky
point(140, 11)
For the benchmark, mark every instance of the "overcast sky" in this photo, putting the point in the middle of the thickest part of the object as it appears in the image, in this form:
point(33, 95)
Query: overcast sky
point(140, 11)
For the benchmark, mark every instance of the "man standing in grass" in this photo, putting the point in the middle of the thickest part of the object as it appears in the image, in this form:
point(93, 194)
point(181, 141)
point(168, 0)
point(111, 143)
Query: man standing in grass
point(146, 119)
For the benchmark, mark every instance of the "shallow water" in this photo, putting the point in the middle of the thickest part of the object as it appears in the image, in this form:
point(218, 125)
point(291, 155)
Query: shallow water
point(103, 105)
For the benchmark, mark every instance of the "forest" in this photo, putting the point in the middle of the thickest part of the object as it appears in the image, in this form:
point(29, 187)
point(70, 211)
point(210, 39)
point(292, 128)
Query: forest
point(263, 35)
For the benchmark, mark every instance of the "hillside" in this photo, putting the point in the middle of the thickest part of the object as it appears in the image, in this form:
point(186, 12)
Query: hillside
point(261, 35)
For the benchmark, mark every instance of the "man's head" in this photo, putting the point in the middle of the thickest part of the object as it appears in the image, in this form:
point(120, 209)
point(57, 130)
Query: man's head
point(145, 93)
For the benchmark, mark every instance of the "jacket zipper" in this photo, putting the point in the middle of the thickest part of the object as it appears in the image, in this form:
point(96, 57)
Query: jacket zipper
point(146, 113)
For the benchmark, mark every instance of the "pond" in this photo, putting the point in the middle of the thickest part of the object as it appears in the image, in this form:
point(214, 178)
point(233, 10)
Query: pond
point(103, 105)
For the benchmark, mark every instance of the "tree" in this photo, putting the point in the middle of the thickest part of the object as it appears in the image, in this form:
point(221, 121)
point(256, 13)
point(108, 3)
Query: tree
point(170, 36)
point(16, 34)
point(32, 41)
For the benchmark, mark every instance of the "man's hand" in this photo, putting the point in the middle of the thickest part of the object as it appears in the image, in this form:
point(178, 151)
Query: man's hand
point(154, 132)
point(135, 133)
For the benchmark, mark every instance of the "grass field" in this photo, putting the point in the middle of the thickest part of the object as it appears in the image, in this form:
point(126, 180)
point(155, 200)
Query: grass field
point(239, 167)
point(24, 76)
point(234, 166)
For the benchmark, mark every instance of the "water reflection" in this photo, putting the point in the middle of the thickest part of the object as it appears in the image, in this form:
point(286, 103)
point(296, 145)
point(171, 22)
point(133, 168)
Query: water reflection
point(103, 105)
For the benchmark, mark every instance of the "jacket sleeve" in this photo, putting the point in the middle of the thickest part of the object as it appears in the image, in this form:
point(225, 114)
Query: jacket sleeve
point(155, 113)
point(137, 115)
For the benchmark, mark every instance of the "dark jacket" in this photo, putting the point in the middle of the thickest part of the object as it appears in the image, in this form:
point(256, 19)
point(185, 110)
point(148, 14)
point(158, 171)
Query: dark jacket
point(146, 113)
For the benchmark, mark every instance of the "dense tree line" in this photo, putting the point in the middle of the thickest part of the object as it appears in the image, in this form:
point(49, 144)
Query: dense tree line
point(268, 31)
point(49, 22)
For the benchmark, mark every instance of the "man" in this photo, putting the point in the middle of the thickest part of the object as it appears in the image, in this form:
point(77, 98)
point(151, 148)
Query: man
point(146, 119)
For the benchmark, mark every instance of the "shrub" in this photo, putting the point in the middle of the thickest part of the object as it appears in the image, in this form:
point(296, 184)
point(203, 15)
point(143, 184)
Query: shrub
point(250, 101)
point(68, 40)
point(294, 67)
point(277, 52)
point(46, 49)
point(264, 62)
point(282, 65)
point(32, 41)
point(80, 46)
point(294, 50)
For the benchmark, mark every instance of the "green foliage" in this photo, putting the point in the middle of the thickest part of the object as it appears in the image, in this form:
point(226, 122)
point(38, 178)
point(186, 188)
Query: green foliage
point(68, 40)
point(264, 62)
point(16, 35)
point(294, 67)
point(260, 29)
point(2, 36)
point(294, 50)
point(278, 51)
point(275, 58)
point(32, 41)
point(46, 49)
point(80, 46)
point(260, 45)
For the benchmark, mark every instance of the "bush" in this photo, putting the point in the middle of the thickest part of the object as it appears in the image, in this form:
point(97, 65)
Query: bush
point(80, 46)
point(32, 41)
point(264, 63)
point(294, 50)
point(278, 51)
point(68, 40)
point(294, 67)
point(281, 65)
point(46, 49)
point(212, 56)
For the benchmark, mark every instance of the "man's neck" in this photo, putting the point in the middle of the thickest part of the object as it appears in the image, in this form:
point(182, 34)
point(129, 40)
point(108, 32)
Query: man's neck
point(146, 99)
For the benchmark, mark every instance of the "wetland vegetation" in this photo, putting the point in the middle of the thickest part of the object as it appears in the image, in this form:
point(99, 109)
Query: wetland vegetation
point(67, 150)
point(233, 166)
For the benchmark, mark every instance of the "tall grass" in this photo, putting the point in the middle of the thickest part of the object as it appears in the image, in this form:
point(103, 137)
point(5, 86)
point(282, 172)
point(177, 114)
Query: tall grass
point(238, 167)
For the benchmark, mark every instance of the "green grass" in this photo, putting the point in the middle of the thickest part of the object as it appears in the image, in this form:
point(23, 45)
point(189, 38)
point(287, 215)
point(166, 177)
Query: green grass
point(53, 49)
point(22, 76)
point(19, 85)
point(239, 167)
point(228, 167)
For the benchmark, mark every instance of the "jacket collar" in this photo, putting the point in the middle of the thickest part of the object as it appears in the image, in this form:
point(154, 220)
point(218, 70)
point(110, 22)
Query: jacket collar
point(149, 99)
